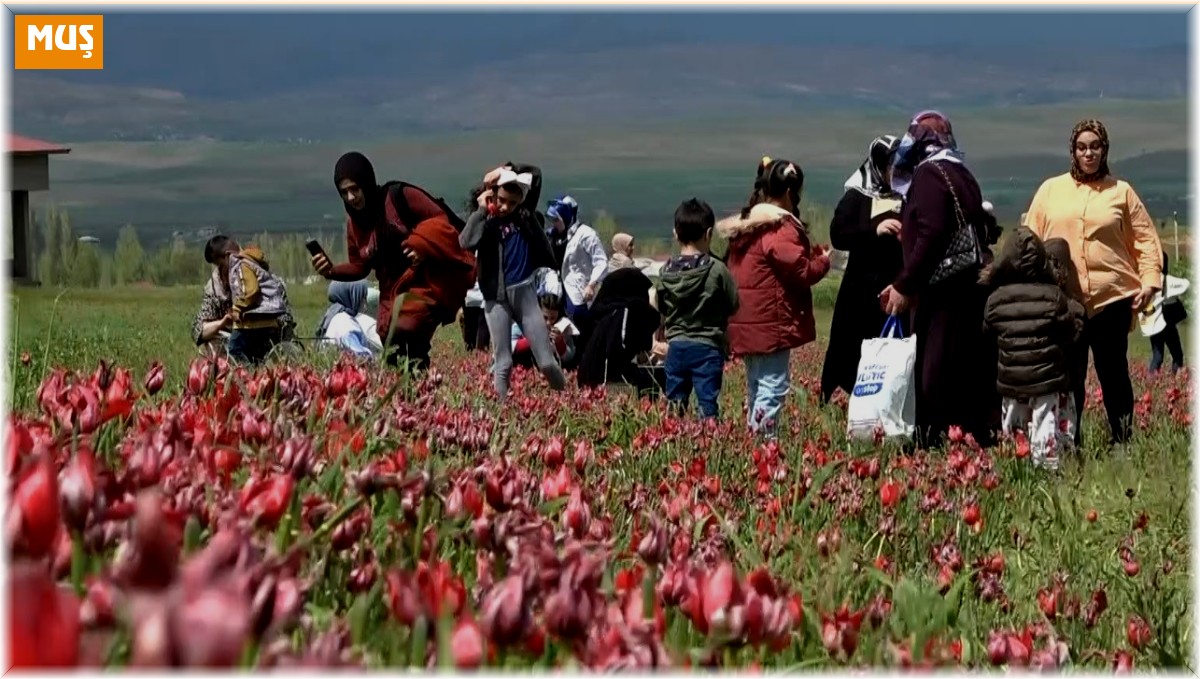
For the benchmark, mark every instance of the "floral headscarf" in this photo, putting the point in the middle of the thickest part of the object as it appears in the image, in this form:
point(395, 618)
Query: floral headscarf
point(929, 137)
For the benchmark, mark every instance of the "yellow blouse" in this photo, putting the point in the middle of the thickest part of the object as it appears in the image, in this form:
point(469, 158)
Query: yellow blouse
point(1114, 245)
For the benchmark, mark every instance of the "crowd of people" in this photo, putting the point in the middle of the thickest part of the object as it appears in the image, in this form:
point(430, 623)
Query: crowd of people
point(1003, 337)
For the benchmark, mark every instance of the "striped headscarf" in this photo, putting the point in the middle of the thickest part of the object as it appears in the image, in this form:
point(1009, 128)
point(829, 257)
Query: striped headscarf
point(868, 178)
point(929, 137)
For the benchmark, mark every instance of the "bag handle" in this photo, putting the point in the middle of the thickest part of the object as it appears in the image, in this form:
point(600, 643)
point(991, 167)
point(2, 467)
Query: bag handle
point(958, 213)
point(894, 327)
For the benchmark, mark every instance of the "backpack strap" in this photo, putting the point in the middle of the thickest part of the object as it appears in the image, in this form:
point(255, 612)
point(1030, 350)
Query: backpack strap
point(406, 213)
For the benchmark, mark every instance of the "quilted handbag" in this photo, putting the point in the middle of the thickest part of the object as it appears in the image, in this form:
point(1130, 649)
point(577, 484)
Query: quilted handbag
point(964, 253)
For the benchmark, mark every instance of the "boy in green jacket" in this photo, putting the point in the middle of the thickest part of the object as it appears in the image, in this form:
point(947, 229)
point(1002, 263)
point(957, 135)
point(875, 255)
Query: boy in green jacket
point(697, 296)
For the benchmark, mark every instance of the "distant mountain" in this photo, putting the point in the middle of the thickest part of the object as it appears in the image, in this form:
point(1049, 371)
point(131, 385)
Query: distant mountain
point(537, 88)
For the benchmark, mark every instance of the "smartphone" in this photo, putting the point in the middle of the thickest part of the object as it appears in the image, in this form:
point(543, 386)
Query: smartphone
point(314, 248)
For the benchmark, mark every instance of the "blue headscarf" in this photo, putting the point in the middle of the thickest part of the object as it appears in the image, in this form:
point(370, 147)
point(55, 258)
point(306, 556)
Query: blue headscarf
point(343, 298)
point(564, 208)
point(929, 137)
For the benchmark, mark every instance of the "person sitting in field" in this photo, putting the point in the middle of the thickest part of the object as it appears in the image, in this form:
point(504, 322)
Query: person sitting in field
point(259, 309)
point(213, 321)
point(1036, 331)
point(625, 325)
point(622, 252)
point(345, 325)
point(562, 334)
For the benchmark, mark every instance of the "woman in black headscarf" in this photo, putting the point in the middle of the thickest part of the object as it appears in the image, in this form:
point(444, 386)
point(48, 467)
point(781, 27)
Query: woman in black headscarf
point(410, 240)
point(866, 225)
point(624, 327)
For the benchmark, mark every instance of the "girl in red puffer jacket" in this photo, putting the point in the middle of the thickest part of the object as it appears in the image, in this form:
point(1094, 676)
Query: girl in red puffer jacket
point(775, 266)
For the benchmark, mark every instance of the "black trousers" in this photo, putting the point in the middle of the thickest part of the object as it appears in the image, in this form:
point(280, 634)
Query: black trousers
point(411, 347)
point(1106, 335)
point(475, 330)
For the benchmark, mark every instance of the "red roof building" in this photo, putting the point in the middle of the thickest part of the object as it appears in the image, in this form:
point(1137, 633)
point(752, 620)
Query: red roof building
point(29, 170)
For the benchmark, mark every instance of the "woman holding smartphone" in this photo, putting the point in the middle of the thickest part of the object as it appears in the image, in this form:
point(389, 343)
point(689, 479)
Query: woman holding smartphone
point(410, 240)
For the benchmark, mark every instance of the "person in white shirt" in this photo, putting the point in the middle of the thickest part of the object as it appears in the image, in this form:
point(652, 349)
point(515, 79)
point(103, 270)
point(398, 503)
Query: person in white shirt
point(585, 262)
point(344, 324)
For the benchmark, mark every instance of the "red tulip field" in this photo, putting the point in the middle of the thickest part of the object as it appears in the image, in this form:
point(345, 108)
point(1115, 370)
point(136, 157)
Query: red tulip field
point(166, 510)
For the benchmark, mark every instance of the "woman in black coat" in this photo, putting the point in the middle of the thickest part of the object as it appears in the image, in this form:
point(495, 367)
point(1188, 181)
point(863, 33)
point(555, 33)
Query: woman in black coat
point(624, 326)
point(866, 225)
point(956, 365)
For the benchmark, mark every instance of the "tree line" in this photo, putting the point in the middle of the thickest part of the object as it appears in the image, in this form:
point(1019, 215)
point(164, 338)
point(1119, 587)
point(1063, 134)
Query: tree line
point(63, 260)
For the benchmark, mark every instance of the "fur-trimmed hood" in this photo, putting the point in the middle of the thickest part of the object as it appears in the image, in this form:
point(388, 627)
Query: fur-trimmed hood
point(761, 215)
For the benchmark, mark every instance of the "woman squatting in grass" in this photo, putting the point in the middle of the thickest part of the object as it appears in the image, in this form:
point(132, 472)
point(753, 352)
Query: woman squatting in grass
point(410, 240)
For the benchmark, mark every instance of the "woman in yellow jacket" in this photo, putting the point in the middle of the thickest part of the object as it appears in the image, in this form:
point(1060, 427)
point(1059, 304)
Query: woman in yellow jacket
point(1116, 255)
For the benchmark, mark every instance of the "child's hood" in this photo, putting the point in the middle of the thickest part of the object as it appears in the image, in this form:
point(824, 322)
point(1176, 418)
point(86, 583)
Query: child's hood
point(255, 254)
point(688, 287)
point(1021, 260)
point(761, 216)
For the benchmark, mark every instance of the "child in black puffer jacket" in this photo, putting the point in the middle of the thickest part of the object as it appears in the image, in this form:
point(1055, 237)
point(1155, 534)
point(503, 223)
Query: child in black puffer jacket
point(1036, 329)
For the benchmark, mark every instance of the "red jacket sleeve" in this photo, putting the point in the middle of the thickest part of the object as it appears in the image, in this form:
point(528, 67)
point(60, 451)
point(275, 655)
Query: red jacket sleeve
point(792, 259)
point(356, 269)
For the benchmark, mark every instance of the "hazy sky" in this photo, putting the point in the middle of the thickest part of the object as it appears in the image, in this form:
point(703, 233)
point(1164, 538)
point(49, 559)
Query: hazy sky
point(229, 54)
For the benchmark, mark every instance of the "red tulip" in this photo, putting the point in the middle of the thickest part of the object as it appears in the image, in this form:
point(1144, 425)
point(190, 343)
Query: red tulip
point(1048, 602)
point(839, 632)
point(889, 493)
point(552, 454)
point(36, 508)
point(155, 378)
point(971, 514)
point(77, 488)
point(467, 646)
point(504, 617)
point(43, 620)
point(1137, 631)
point(717, 593)
point(1123, 662)
point(199, 375)
point(17, 444)
point(268, 499)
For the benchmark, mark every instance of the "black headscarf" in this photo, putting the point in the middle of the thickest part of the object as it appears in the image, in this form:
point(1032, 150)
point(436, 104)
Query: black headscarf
point(355, 167)
point(624, 327)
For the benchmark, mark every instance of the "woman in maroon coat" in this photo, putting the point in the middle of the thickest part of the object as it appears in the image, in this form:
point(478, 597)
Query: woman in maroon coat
point(410, 240)
point(775, 266)
point(956, 367)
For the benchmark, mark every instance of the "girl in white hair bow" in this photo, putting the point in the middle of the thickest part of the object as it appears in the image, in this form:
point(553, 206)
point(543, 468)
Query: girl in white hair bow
point(510, 245)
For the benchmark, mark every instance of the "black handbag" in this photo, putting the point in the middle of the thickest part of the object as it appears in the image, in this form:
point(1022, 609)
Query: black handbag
point(963, 253)
point(1174, 312)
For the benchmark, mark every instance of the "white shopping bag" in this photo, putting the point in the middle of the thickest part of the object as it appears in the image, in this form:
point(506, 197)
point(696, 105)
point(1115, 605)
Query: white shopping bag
point(885, 392)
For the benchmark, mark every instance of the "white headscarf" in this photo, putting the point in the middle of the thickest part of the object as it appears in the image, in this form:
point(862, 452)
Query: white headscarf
point(868, 178)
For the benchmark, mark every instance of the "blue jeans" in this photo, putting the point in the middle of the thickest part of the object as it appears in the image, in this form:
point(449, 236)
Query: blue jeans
point(694, 365)
point(252, 346)
point(767, 384)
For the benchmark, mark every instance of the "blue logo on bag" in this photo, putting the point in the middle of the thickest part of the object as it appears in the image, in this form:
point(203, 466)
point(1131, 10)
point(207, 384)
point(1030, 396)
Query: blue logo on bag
point(870, 380)
point(869, 389)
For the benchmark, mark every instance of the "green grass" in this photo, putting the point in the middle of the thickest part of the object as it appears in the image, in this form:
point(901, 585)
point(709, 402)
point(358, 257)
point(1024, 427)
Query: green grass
point(76, 328)
point(1037, 522)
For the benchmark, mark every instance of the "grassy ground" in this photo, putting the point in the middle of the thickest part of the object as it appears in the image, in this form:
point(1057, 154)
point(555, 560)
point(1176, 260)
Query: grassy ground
point(135, 326)
point(1060, 541)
